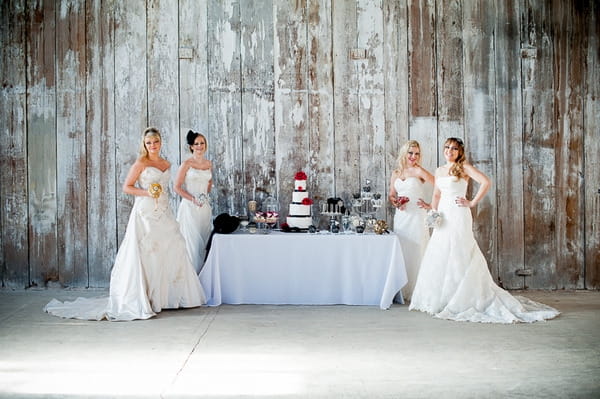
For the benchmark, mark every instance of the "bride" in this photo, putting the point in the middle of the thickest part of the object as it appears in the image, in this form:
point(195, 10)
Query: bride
point(454, 281)
point(407, 188)
point(152, 270)
point(193, 183)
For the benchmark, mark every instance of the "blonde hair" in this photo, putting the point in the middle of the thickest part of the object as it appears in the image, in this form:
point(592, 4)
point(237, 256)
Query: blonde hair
point(149, 132)
point(458, 168)
point(403, 154)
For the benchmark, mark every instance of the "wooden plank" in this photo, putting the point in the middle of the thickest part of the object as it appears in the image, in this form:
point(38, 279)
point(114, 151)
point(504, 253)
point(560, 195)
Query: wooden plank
point(14, 271)
point(421, 32)
point(449, 72)
point(291, 100)
point(569, 64)
point(41, 142)
point(539, 143)
point(130, 97)
point(257, 101)
point(193, 72)
point(347, 177)
point(101, 138)
point(225, 100)
point(395, 69)
point(591, 150)
point(371, 110)
point(479, 120)
point(509, 152)
point(71, 140)
point(163, 76)
point(423, 119)
point(321, 125)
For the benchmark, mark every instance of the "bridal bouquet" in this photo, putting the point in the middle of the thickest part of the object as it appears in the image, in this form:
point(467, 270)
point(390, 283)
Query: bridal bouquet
point(433, 219)
point(155, 190)
point(202, 199)
point(401, 201)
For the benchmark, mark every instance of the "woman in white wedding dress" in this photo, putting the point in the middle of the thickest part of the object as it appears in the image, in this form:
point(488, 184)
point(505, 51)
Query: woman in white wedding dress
point(152, 270)
point(408, 184)
point(454, 281)
point(193, 183)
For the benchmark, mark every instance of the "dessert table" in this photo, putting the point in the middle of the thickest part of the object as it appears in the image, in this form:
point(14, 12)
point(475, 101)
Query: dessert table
point(303, 269)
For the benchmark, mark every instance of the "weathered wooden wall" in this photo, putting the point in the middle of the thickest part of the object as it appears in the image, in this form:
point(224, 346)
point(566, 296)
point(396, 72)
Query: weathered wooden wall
point(331, 87)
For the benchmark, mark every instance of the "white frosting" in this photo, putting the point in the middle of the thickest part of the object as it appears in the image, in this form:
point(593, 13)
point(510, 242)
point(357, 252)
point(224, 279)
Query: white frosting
point(300, 185)
point(298, 196)
point(299, 210)
point(300, 222)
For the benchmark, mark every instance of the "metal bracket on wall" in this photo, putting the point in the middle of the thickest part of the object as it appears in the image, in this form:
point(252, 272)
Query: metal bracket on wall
point(358, 54)
point(186, 53)
point(524, 272)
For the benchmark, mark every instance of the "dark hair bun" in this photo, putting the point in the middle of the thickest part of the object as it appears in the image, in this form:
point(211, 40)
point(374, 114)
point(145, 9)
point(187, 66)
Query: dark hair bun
point(191, 136)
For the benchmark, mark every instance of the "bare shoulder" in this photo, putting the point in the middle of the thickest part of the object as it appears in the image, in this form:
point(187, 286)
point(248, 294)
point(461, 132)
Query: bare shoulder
point(470, 169)
point(139, 165)
point(187, 163)
point(423, 171)
point(475, 173)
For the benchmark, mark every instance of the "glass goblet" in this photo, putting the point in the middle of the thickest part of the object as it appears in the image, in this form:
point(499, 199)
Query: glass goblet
point(244, 220)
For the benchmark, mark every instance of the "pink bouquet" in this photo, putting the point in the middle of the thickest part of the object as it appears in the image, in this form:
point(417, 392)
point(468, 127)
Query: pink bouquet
point(260, 217)
point(271, 216)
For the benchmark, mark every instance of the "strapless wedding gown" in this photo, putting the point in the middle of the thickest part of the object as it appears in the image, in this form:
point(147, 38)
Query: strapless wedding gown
point(152, 270)
point(454, 281)
point(195, 221)
point(409, 225)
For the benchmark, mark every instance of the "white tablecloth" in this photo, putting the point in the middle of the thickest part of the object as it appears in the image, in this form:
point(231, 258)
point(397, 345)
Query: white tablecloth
point(303, 269)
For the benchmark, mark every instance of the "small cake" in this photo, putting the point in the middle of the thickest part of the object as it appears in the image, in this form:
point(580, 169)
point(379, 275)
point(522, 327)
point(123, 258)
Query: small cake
point(300, 208)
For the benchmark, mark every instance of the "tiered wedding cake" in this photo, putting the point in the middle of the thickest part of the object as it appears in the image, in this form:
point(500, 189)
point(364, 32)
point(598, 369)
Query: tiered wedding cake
point(300, 213)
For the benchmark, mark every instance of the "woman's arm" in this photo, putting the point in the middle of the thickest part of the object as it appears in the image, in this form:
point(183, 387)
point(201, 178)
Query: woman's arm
point(435, 198)
point(132, 176)
point(426, 176)
point(180, 179)
point(484, 186)
point(210, 182)
point(393, 195)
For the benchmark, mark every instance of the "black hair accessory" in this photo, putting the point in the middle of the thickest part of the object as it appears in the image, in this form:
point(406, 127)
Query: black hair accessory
point(191, 136)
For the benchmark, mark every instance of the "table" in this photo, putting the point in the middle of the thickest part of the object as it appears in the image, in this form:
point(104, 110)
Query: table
point(303, 269)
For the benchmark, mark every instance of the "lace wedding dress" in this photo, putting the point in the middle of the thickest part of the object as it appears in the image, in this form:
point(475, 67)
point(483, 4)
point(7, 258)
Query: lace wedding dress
point(409, 225)
point(454, 281)
point(152, 270)
point(195, 221)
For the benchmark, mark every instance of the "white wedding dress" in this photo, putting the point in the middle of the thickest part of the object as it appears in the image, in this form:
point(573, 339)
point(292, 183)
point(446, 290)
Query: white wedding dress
point(454, 281)
point(195, 221)
point(152, 270)
point(409, 225)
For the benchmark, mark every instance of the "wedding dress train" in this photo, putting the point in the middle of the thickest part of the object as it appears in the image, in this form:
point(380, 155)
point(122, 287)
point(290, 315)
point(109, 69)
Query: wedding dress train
point(454, 281)
point(152, 269)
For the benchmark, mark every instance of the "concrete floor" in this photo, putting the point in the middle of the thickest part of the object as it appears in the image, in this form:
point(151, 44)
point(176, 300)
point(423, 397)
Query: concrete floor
point(253, 351)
